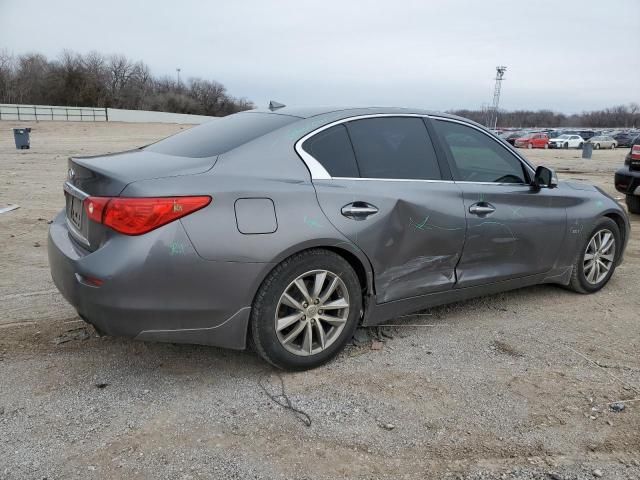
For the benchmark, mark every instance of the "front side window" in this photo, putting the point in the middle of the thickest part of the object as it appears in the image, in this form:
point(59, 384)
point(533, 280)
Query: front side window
point(477, 157)
point(394, 148)
point(332, 148)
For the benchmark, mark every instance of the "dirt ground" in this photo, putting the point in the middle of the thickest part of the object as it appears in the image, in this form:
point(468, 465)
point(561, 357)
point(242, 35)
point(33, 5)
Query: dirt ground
point(515, 385)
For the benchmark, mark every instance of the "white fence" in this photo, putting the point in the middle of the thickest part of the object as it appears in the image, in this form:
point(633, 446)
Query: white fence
point(89, 114)
point(117, 115)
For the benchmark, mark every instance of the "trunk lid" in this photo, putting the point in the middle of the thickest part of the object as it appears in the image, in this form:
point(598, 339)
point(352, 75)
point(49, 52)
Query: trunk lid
point(108, 175)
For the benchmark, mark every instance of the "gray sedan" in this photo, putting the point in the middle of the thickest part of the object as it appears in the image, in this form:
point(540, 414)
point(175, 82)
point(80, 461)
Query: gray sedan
point(603, 141)
point(292, 227)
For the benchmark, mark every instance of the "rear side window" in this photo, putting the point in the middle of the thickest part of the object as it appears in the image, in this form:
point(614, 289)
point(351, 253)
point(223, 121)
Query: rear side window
point(220, 134)
point(477, 157)
point(332, 148)
point(394, 147)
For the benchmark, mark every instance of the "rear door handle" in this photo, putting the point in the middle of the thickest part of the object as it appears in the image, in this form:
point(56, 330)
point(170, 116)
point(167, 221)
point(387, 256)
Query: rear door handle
point(482, 208)
point(359, 210)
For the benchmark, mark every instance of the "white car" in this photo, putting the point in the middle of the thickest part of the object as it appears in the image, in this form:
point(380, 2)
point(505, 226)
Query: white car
point(566, 141)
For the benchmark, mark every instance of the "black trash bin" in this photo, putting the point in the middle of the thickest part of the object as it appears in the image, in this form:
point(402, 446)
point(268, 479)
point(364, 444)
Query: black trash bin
point(587, 149)
point(21, 136)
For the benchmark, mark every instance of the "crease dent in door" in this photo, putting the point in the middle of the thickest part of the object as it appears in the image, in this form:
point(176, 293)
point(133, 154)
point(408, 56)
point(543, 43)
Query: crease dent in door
point(396, 239)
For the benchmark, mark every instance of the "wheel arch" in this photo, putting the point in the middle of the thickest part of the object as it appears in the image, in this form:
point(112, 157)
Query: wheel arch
point(353, 256)
point(622, 227)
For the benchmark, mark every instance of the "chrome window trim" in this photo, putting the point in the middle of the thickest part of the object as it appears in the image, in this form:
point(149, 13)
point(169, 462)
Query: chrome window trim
point(429, 181)
point(392, 179)
point(318, 172)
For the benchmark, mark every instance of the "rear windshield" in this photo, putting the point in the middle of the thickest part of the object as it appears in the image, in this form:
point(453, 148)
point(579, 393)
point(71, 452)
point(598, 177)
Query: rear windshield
point(220, 134)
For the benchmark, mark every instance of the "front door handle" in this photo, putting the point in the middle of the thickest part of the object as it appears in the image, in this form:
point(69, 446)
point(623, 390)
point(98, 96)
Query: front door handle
point(482, 208)
point(359, 210)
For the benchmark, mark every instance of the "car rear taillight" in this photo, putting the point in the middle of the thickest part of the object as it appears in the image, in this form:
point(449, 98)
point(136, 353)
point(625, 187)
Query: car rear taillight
point(635, 152)
point(135, 216)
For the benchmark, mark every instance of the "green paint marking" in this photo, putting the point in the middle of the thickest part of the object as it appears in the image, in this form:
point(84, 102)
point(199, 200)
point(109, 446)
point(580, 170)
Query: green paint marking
point(311, 222)
point(176, 248)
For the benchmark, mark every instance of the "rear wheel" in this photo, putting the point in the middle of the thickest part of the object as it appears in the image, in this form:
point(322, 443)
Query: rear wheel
point(613, 146)
point(530, 146)
point(596, 260)
point(633, 203)
point(546, 145)
point(306, 310)
point(566, 145)
point(597, 146)
point(580, 145)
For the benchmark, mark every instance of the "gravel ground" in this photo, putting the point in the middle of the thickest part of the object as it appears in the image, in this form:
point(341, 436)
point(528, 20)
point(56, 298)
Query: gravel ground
point(515, 385)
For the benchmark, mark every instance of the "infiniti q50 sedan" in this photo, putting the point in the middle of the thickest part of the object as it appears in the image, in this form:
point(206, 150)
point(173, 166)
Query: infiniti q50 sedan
point(289, 228)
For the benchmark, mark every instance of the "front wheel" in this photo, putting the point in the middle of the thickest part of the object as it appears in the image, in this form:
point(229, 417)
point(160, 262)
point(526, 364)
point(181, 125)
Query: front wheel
point(566, 145)
point(546, 145)
point(580, 145)
point(306, 310)
point(596, 260)
point(633, 204)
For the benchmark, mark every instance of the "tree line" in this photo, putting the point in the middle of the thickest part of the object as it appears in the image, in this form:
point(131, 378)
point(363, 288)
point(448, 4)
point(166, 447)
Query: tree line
point(97, 80)
point(115, 81)
point(626, 116)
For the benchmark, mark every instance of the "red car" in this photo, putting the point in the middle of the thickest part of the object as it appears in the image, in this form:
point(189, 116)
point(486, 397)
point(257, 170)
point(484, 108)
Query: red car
point(533, 140)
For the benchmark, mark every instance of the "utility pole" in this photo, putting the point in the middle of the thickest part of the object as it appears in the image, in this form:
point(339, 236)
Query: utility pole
point(493, 113)
point(178, 70)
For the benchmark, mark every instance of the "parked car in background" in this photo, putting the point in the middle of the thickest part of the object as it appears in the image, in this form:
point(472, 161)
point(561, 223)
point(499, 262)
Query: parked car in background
point(555, 133)
point(293, 228)
point(602, 141)
point(627, 179)
point(586, 134)
point(533, 140)
point(566, 141)
point(512, 137)
point(625, 139)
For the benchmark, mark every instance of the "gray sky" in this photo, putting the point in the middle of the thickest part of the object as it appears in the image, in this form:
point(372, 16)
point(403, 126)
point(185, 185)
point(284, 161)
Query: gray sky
point(565, 55)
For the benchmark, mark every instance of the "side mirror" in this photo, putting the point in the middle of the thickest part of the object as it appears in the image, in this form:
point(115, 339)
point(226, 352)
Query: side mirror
point(545, 177)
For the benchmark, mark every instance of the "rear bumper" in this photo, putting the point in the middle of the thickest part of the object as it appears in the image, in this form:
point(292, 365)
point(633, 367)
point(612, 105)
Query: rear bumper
point(155, 287)
point(627, 181)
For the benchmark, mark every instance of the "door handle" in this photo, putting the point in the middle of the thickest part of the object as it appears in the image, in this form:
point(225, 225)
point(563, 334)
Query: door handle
point(482, 208)
point(358, 210)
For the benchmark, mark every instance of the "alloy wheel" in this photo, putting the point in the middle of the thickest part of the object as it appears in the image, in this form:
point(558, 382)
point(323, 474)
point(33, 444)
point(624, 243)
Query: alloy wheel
point(312, 312)
point(599, 256)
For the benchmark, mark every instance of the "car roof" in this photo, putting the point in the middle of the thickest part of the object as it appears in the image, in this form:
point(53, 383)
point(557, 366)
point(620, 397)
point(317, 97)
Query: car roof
point(313, 111)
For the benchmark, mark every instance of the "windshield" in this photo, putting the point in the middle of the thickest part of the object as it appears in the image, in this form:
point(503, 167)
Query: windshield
point(564, 137)
point(220, 135)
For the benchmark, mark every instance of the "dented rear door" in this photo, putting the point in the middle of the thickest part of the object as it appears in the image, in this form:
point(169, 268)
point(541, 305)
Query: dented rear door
point(411, 229)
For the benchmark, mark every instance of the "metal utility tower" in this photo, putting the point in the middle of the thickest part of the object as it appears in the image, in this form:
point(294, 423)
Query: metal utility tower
point(493, 113)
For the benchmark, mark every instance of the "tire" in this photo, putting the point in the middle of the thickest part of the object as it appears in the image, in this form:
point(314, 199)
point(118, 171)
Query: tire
point(269, 305)
point(579, 281)
point(633, 204)
point(566, 145)
point(613, 146)
point(597, 146)
point(580, 145)
point(530, 146)
point(546, 145)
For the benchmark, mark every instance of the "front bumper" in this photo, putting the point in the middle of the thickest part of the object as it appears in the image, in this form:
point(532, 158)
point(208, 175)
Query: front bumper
point(627, 181)
point(155, 287)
